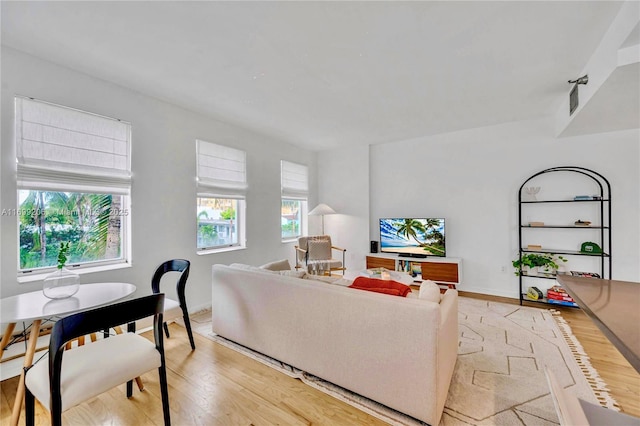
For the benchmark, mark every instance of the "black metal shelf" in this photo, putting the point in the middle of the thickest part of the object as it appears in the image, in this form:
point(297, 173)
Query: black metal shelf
point(543, 276)
point(563, 227)
point(603, 228)
point(564, 201)
point(561, 251)
point(544, 300)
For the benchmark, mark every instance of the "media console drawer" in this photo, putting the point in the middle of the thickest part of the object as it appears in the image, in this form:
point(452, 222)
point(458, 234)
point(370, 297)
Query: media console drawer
point(378, 262)
point(440, 271)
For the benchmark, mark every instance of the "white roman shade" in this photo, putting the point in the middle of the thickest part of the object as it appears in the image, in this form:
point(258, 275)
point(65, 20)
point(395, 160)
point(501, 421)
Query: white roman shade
point(222, 171)
point(294, 180)
point(64, 149)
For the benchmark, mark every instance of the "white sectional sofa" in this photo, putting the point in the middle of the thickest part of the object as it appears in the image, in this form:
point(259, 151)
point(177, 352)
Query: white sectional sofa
point(397, 351)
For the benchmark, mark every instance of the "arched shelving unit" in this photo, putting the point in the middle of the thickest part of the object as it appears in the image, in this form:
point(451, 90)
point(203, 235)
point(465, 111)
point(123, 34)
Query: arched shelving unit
point(599, 231)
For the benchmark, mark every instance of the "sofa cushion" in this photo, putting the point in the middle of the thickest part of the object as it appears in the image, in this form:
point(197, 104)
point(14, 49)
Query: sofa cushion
point(295, 274)
point(381, 286)
point(429, 291)
point(251, 268)
point(278, 265)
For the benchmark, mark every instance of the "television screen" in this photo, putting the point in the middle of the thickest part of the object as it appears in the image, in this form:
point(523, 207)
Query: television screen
point(413, 237)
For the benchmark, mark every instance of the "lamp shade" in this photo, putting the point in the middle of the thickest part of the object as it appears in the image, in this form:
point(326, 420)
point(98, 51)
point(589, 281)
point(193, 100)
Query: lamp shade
point(321, 210)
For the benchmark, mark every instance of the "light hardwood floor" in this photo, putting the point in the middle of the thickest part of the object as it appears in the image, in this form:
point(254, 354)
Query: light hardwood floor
point(214, 385)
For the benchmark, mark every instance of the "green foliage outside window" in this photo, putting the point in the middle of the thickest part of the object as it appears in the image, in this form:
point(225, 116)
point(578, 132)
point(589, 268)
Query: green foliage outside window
point(90, 223)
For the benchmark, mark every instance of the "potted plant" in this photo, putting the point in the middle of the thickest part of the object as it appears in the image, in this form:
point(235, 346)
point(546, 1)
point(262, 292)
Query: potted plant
point(548, 262)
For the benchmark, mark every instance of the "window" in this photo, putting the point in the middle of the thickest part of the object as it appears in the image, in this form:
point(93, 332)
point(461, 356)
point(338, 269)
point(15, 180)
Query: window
point(295, 188)
point(92, 223)
point(222, 185)
point(74, 181)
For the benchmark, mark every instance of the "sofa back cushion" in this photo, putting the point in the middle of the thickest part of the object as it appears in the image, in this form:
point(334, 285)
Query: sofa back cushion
point(278, 265)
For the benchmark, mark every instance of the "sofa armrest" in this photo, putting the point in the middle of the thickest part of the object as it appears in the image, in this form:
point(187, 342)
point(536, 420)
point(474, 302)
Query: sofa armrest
point(447, 345)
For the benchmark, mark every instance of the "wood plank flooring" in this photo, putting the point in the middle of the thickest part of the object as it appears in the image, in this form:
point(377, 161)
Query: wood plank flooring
point(214, 385)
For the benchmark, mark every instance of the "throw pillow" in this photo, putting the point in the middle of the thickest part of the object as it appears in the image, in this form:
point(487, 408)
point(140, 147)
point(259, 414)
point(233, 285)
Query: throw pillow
point(381, 286)
point(429, 291)
point(278, 265)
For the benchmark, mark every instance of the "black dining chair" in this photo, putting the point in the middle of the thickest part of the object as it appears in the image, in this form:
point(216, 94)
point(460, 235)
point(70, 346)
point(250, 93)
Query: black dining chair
point(71, 377)
point(175, 309)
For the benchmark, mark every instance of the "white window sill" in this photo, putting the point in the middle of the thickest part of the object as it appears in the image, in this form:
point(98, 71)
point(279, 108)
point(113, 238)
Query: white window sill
point(80, 271)
point(220, 250)
point(290, 240)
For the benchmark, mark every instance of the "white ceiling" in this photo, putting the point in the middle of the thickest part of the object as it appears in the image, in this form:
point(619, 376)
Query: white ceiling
point(327, 74)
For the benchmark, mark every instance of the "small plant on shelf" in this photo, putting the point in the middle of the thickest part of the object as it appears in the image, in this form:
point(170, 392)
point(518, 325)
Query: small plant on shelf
point(530, 261)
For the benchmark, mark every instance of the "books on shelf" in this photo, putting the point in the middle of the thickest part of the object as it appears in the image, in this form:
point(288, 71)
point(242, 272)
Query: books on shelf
point(558, 293)
point(562, 302)
point(585, 274)
point(587, 197)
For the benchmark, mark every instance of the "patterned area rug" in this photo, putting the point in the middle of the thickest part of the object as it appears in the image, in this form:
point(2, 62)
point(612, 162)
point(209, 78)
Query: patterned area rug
point(499, 376)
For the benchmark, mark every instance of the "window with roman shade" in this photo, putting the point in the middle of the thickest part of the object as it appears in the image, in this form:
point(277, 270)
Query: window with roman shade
point(221, 188)
point(59, 148)
point(294, 186)
point(294, 180)
point(73, 182)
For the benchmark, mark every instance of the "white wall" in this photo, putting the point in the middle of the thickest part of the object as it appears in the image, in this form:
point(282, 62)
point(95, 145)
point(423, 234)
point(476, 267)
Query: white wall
point(163, 165)
point(343, 184)
point(472, 178)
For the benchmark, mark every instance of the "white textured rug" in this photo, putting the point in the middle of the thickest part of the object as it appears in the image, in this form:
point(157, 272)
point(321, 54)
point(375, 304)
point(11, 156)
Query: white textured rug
point(499, 376)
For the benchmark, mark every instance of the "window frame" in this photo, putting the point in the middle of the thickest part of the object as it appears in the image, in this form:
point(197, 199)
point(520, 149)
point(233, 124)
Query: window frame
point(294, 186)
point(222, 185)
point(303, 216)
point(41, 175)
point(240, 230)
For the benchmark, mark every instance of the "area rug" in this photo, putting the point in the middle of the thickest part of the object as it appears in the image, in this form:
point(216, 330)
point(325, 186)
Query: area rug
point(499, 376)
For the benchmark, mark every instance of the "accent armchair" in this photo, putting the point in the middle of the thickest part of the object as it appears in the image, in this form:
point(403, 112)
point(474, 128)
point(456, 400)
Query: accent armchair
point(314, 254)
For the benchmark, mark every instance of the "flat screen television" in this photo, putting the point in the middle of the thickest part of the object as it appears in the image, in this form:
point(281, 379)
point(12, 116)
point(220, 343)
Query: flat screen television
point(413, 237)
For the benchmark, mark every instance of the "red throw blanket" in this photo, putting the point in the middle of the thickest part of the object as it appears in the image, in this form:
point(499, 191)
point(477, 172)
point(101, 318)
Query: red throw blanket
point(381, 286)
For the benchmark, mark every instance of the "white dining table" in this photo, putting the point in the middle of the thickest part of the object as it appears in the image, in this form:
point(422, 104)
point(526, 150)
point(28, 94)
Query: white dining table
point(35, 306)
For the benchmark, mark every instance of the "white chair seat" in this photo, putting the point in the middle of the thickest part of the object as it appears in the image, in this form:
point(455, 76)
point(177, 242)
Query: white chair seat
point(83, 375)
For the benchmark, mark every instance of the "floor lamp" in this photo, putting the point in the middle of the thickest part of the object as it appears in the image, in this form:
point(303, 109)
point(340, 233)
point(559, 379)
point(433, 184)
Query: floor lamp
point(322, 210)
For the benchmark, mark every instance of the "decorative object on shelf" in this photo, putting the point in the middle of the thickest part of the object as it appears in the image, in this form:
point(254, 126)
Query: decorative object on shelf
point(531, 192)
point(545, 261)
point(536, 223)
point(585, 274)
point(590, 247)
point(582, 222)
point(62, 283)
point(534, 293)
point(587, 197)
point(534, 247)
